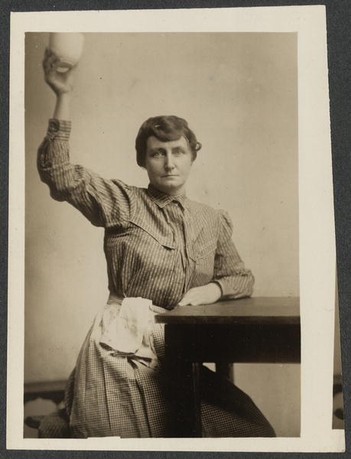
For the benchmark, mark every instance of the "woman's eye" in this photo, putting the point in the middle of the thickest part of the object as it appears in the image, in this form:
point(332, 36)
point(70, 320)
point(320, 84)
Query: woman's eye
point(156, 154)
point(178, 152)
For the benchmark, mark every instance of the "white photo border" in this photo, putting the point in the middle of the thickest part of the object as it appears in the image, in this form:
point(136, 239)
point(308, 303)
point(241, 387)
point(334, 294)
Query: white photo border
point(316, 215)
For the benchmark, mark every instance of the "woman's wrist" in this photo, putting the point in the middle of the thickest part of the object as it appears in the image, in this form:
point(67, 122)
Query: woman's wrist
point(219, 287)
point(215, 290)
point(63, 98)
point(63, 106)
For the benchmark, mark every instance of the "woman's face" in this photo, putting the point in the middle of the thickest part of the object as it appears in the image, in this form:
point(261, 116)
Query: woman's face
point(168, 164)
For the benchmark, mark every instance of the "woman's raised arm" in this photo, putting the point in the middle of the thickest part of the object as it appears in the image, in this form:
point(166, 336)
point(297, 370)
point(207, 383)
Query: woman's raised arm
point(103, 202)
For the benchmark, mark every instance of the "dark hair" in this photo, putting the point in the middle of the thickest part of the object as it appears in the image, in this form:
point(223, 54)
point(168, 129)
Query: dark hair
point(164, 128)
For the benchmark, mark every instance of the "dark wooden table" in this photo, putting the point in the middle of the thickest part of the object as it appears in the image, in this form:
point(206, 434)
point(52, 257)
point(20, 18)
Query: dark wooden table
point(261, 330)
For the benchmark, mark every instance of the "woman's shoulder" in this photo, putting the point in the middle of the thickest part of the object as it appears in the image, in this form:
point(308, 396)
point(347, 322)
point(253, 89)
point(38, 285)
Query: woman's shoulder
point(201, 207)
point(139, 197)
point(209, 213)
point(131, 191)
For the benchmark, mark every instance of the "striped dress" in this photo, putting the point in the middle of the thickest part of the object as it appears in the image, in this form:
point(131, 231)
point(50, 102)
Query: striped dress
point(157, 247)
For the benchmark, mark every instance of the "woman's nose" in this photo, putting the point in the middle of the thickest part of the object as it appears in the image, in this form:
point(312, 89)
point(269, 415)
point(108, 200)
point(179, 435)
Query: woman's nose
point(169, 163)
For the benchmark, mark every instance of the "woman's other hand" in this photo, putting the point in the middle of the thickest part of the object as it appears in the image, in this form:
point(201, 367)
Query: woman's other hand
point(61, 82)
point(205, 294)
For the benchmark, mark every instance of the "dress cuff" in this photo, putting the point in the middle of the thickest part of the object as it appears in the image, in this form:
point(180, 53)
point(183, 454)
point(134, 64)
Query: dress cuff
point(59, 129)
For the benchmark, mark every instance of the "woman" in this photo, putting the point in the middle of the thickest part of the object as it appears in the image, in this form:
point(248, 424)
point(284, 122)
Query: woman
point(160, 247)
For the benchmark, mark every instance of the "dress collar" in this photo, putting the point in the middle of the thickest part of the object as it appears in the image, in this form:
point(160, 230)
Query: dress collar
point(163, 199)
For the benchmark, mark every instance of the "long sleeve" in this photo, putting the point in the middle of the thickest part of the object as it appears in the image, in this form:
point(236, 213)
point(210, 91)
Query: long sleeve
point(229, 272)
point(103, 202)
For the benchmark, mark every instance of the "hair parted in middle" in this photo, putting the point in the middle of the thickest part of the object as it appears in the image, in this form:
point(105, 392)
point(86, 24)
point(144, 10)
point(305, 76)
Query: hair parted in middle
point(164, 128)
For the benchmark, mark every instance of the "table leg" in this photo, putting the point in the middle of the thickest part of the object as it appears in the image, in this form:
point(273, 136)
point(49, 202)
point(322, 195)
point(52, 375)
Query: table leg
point(184, 377)
point(197, 399)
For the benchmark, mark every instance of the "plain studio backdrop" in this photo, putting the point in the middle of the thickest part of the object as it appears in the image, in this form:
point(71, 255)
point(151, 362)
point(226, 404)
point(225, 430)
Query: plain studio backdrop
point(238, 92)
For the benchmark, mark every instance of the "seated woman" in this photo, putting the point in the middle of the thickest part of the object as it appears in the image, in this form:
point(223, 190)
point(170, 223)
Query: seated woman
point(159, 246)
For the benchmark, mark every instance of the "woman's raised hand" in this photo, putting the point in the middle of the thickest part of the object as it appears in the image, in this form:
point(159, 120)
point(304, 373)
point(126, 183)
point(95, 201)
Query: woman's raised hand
point(60, 82)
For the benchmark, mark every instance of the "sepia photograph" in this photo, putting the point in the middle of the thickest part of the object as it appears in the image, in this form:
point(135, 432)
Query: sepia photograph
point(166, 242)
point(169, 275)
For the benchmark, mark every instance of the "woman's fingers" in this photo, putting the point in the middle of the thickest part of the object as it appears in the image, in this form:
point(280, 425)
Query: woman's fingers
point(192, 297)
point(50, 62)
point(59, 81)
point(48, 56)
